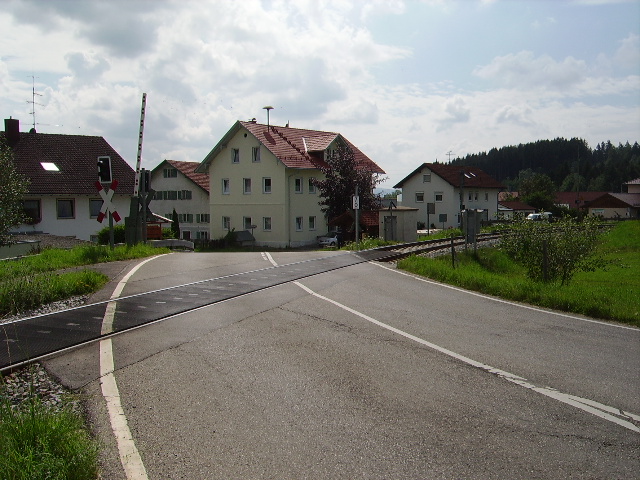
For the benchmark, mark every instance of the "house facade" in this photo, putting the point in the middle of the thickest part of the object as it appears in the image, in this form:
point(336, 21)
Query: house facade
point(177, 186)
point(440, 192)
point(62, 197)
point(616, 206)
point(261, 180)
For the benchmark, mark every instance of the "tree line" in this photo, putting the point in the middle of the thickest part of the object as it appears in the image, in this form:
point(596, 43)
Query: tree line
point(570, 164)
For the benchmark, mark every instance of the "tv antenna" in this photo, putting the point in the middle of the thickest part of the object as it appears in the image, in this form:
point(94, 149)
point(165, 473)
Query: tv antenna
point(449, 153)
point(33, 100)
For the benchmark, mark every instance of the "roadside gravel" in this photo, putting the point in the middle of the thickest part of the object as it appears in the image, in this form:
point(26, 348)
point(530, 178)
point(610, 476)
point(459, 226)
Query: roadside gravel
point(34, 381)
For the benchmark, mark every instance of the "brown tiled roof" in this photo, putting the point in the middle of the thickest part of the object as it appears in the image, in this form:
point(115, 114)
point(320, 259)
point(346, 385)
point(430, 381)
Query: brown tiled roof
point(188, 170)
point(576, 199)
point(294, 147)
point(473, 176)
point(76, 157)
point(616, 200)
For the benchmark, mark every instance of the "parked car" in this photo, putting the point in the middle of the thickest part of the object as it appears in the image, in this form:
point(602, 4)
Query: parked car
point(331, 239)
point(539, 217)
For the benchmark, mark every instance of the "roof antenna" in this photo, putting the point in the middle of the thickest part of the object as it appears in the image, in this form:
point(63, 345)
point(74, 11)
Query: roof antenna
point(267, 108)
point(33, 100)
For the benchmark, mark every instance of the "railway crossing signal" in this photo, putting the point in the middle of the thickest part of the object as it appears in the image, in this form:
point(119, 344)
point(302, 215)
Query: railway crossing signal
point(104, 169)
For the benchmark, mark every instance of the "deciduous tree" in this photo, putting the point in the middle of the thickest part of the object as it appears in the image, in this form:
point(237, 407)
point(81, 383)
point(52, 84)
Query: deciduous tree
point(13, 188)
point(342, 175)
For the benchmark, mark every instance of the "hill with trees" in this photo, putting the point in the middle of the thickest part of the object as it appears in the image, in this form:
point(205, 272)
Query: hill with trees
point(570, 164)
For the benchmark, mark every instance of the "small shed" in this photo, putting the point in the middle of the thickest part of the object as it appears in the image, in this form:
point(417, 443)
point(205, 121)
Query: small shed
point(399, 224)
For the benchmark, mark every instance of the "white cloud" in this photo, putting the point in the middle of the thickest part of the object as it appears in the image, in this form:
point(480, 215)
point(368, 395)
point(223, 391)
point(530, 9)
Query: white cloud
point(524, 70)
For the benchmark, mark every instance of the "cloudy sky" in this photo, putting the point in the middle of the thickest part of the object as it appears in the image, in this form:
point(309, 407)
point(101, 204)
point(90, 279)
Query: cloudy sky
point(406, 81)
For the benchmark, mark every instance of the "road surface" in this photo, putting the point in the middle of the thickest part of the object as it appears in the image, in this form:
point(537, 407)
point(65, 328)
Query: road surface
point(362, 372)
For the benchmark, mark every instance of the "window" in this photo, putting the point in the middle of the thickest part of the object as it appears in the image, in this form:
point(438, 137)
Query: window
point(266, 224)
point(235, 155)
point(169, 173)
point(486, 196)
point(312, 223)
point(475, 196)
point(247, 223)
point(246, 185)
point(186, 235)
point(225, 186)
point(226, 223)
point(312, 185)
point(469, 195)
point(32, 210)
point(426, 177)
point(184, 195)
point(299, 224)
point(298, 185)
point(170, 195)
point(255, 154)
point(202, 217)
point(95, 204)
point(185, 217)
point(66, 208)
point(438, 196)
point(202, 235)
point(419, 197)
point(157, 195)
point(266, 185)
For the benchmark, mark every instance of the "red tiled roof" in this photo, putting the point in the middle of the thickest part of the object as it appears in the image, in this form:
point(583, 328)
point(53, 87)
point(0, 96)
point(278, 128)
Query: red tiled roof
point(294, 147)
point(473, 176)
point(75, 156)
point(188, 170)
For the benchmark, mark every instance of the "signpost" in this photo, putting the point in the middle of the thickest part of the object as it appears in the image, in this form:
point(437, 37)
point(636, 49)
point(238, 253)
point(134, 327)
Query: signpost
point(108, 207)
point(355, 203)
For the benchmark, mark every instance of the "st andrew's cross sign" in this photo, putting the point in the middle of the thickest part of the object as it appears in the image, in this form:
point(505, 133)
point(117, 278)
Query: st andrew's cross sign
point(107, 205)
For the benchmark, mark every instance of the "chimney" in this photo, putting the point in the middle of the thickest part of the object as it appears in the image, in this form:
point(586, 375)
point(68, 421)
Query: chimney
point(12, 131)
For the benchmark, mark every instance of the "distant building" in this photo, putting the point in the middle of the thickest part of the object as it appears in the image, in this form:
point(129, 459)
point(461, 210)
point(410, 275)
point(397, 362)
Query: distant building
point(179, 187)
point(441, 185)
point(261, 180)
point(62, 198)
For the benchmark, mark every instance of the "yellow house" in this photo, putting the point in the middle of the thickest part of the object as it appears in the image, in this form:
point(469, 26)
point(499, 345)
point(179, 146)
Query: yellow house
point(261, 180)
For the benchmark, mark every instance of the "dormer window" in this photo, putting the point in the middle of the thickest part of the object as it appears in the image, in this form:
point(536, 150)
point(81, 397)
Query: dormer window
point(50, 167)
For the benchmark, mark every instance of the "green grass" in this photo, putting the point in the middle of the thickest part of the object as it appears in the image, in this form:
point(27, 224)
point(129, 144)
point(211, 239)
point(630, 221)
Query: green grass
point(40, 442)
point(610, 294)
point(33, 281)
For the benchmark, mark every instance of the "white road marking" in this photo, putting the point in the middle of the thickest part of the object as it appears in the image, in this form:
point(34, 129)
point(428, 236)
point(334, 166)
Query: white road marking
point(129, 455)
point(606, 412)
point(603, 411)
point(499, 300)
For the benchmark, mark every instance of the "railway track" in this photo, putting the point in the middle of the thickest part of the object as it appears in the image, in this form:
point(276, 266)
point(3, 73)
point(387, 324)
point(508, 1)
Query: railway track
point(28, 340)
point(392, 253)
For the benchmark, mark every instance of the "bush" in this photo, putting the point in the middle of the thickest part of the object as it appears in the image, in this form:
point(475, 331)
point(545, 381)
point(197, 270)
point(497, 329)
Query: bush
point(118, 235)
point(552, 252)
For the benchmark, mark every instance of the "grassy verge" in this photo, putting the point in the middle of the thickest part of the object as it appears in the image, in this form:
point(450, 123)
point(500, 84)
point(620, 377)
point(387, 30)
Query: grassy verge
point(33, 281)
point(610, 294)
point(39, 441)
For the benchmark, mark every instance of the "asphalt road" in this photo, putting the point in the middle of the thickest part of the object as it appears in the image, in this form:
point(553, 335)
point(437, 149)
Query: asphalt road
point(363, 372)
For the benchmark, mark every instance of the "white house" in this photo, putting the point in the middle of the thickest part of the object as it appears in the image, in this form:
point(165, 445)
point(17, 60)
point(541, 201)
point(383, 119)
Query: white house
point(441, 191)
point(179, 187)
point(261, 180)
point(62, 198)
